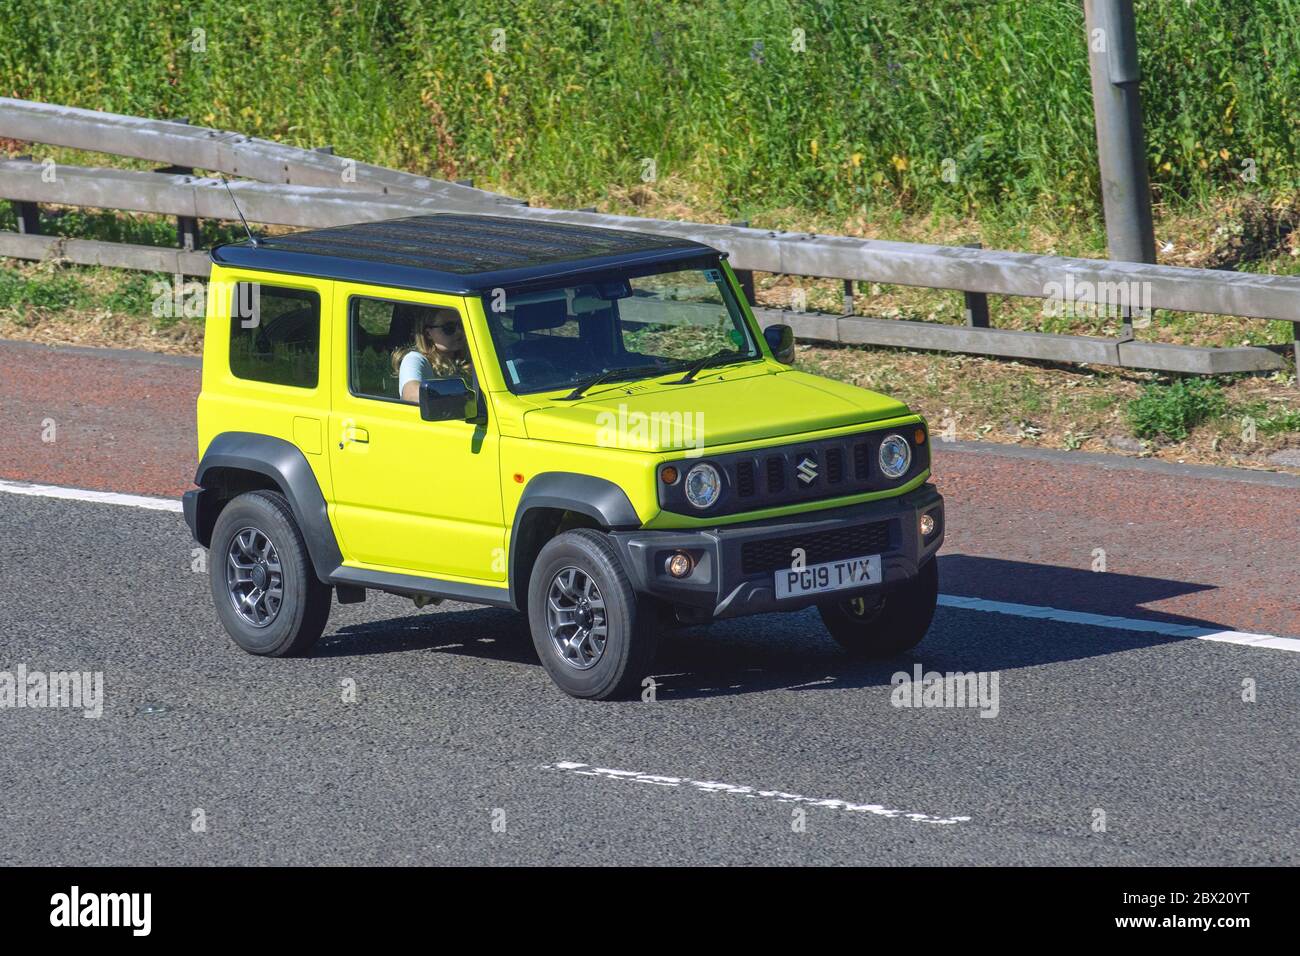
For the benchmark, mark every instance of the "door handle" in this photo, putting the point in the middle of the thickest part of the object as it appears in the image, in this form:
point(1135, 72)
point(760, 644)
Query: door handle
point(352, 433)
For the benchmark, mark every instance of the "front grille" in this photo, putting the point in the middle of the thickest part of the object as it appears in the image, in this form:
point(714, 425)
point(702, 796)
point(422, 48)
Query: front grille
point(772, 476)
point(834, 465)
point(773, 554)
point(861, 460)
point(775, 474)
point(745, 479)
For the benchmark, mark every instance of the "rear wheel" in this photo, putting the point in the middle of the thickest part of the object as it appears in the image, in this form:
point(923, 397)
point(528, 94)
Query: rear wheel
point(594, 635)
point(263, 584)
point(889, 625)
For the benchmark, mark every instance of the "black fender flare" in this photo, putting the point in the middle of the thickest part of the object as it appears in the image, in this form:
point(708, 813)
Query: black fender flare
point(286, 466)
point(597, 498)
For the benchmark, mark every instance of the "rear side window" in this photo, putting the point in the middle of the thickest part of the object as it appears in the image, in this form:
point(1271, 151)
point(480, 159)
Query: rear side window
point(275, 334)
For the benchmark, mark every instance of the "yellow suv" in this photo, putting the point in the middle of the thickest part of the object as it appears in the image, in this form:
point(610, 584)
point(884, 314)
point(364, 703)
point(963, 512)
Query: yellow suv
point(582, 424)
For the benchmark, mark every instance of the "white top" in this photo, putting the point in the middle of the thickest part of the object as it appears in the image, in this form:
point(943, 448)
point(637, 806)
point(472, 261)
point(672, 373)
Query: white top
point(414, 368)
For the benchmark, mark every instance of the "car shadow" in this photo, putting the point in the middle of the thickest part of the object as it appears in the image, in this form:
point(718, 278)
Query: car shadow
point(486, 632)
point(1067, 589)
point(793, 652)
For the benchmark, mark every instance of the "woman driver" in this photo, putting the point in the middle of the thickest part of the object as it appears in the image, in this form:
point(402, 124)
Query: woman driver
point(437, 350)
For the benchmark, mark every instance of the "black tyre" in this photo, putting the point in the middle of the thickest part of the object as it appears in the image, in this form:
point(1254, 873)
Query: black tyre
point(594, 635)
point(894, 623)
point(263, 584)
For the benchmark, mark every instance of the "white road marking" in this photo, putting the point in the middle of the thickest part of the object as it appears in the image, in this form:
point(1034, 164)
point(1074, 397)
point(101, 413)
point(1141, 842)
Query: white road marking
point(1243, 638)
point(712, 786)
point(1121, 623)
point(79, 494)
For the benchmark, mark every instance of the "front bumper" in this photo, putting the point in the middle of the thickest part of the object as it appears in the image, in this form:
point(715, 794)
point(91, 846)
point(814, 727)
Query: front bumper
point(734, 572)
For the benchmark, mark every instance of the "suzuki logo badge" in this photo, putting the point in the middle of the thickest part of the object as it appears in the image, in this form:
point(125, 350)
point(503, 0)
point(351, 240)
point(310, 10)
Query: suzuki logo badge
point(807, 470)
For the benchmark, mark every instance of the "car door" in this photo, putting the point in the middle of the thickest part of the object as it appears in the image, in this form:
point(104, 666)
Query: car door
point(410, 496)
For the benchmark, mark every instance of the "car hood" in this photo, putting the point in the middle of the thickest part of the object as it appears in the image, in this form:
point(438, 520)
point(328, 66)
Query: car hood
point(721, 409)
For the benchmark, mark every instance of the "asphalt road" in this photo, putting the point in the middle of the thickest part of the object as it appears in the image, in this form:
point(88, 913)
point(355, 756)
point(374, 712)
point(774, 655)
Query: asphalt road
point(764, 744)
point(456, 728)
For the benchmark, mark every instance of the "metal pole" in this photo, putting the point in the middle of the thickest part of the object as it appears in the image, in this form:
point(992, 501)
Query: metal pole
point(1121, 143)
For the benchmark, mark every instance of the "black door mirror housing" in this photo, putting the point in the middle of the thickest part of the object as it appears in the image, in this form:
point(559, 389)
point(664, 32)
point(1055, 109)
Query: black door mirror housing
point(780, 339)
point(447, 400)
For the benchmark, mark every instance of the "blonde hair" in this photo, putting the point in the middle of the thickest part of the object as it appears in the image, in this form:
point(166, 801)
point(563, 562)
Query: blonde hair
point(445, 364)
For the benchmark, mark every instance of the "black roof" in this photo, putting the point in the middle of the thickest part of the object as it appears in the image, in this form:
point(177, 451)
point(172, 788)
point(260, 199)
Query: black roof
point(454, 253)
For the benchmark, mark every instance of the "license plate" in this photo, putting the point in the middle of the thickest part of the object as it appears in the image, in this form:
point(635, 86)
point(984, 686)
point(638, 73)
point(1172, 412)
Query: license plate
point(831, 576)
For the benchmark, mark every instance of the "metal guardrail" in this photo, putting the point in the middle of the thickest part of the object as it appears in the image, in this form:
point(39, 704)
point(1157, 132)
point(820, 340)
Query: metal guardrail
point(309, 188)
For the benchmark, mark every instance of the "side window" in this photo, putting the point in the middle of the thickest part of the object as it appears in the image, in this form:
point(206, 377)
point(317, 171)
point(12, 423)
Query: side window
point(382, 332)
point(275, 334)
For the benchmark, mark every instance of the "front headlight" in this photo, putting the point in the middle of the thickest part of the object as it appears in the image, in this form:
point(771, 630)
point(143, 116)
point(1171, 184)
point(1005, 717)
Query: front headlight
point(895, 456)
point(703, 485)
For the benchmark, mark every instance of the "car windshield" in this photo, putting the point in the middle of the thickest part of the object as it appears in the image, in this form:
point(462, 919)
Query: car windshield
point(616, 327)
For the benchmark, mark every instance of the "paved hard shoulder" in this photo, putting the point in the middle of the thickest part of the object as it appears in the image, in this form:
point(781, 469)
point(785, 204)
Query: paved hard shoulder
point(1275, 479)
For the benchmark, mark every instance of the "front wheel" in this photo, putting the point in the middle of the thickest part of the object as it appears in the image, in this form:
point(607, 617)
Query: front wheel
point(889, 625)
point(594, 635)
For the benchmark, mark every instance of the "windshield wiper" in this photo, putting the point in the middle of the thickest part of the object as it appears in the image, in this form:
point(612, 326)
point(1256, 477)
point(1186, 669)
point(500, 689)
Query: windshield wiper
point(605, 376)
point(700, 365)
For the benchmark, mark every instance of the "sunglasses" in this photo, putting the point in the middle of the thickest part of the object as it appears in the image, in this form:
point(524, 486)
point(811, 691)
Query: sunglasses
point(447, 328)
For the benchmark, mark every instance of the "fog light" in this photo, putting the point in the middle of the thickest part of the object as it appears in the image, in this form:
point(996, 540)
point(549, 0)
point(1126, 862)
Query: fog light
point(927, 526)
point(680, 564)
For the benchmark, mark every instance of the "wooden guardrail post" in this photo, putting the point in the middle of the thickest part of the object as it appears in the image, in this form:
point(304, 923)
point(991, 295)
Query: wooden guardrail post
point(745, 276)
point(28, 214)
point(187, 227)
point(977, 303)
point(29, 217)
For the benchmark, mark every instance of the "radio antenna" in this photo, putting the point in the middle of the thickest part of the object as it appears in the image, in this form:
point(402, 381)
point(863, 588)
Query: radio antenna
point(251, 240)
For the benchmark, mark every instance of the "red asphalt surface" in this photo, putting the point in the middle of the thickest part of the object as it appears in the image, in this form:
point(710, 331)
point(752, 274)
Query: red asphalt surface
point(1178, 548)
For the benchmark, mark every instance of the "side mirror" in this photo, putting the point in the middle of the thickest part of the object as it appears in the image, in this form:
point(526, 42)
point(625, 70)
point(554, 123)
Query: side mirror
point(780, 339)
point(447, 400)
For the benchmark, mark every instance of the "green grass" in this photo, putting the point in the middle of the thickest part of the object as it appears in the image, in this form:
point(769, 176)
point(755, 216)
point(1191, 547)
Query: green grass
point(136, 294)
point(1269, 419)
point(864, 118)
point(23, 292)
point(1171, 410)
